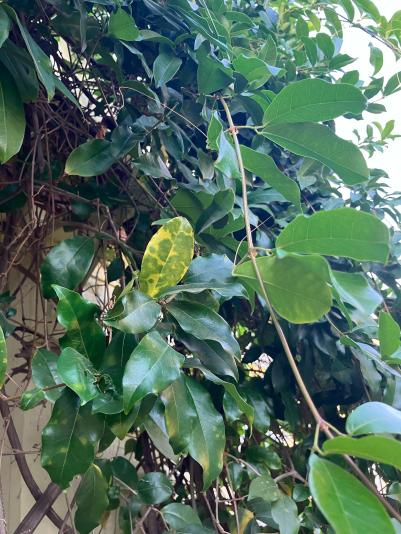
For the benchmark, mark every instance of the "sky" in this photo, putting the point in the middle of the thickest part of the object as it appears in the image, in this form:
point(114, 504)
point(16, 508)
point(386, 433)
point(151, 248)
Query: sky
point(356, 44)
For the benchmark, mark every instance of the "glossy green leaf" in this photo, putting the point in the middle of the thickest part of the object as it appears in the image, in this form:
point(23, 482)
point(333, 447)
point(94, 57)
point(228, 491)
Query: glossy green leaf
point(19, 64)
point(90, 159)
point(31, 398)
point(213, 132)
point(354, 289)
point(69, 439)
point(155, 426)
point(154, 488)
point(133, 313)
point(178, 516)
point(152, 367)
point(12, 117)
point(205, 324)
point(320, 143)
point(264, 487)
point(67, 264)
point(92, 500)
point(40, 59)
point(120, 423)
point(297, 286)
point(165, 67)
point(346, 503)
point(374, 418)
point(78, 317)
point(167, 256)
point(285, 514)
point(378, 449)
point(44, 373)
point(314, 100)
point(264, 166)
point(212, 355)
point(341, 232)
point(208, 436)
point(231, 389)
point(122, 26)
point(4, 26)
point(3, 358)
point(389, 334)
point(78, 374)
point(125, 471)
point(179, 414)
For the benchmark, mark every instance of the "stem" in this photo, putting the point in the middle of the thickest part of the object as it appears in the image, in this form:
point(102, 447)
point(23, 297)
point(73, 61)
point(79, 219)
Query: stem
point(321, 423)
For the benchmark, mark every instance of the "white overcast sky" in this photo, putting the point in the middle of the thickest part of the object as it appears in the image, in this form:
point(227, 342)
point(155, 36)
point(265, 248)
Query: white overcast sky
point(356, 44)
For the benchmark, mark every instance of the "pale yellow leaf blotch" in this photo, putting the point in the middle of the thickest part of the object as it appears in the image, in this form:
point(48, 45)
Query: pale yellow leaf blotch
point(167, 257)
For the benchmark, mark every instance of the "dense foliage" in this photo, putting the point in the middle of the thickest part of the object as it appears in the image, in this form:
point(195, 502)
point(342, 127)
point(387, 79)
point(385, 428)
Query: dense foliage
point(219, 261)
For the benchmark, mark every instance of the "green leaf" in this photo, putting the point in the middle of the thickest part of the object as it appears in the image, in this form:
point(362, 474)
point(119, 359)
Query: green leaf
point(155, 426)
point(40, 59)
point(12, 117)
point(374, 418)
point(92, 500)
point(77, 373)
point(124, 471)
point(389, 335)
point(19, 64)
point(264, 487)
point(285, 514)
point(354, 289)
point(208, 436)
point(253, 69)
point(341, 232)
point(120, 424)
point(67, 264)
point(179, 516)
point(77, 316)
point(90, 159)
point(314, 100)
point(346, 503)
point(167, 256)
point(223, 203)
point(212, 75)
point(326, 45)
point(165, 67)
point(297, 286)
point(44, 373)
point(214, 130)
point(122, 26)
point(179, 414)
point(376, 58)
point(227, 159)
point(242, 405)
point(133, 313)
point(31, 398)
point(4, 26)
point(204, 323)
point(320, 143)
point(213, 356)
point(393, 85)
point(369, 7)
point(154, 488)
point(3, 358)
point(152, 367)
point(379, 449)
point(264, 166)
point(69, 439)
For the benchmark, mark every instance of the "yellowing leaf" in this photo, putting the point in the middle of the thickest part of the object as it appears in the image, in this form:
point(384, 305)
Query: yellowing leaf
point(167, 256)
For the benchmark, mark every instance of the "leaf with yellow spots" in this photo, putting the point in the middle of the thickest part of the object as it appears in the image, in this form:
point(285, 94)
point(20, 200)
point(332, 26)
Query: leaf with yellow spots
point(167, 257)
